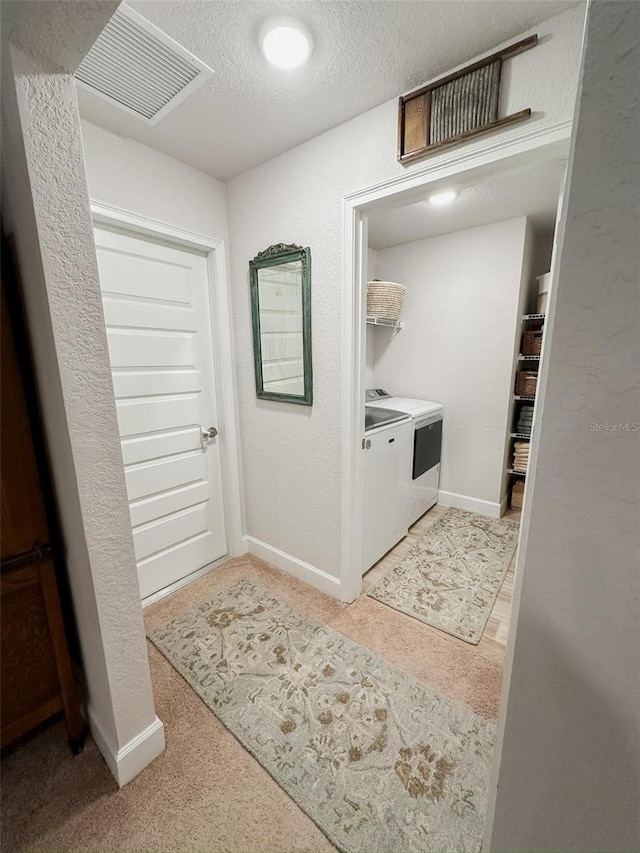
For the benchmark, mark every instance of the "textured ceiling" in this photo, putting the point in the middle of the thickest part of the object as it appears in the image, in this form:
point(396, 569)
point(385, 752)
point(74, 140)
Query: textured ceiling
point(531, 192)
point(366, 51)
point(60, 31)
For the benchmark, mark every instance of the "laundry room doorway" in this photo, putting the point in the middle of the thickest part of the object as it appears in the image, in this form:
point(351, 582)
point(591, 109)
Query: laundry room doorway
point(502, 166)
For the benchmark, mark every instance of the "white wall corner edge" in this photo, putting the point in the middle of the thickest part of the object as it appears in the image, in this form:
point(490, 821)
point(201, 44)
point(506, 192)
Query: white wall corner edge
point(489, 508)
point(504, 504)
point(131, 759)
point(315, 577)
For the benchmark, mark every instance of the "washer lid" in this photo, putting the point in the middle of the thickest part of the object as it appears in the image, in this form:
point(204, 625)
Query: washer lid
point(415, 408)
point(378, 416)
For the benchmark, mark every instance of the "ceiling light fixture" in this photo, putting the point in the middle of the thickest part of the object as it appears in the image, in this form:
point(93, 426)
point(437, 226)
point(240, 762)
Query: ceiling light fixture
point(442, 198)
point(285, 42)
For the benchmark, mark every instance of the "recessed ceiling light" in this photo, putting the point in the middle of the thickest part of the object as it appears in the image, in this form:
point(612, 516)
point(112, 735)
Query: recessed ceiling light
point(442, 198)
point(285, 42)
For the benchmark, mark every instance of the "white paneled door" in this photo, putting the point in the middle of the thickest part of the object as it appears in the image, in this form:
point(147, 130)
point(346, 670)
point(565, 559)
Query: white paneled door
point(156, 306)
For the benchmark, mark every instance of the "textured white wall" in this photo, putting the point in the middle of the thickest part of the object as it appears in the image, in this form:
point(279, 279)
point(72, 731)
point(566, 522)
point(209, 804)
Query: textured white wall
point(291, 454)
point(125, 174)
point(568, 777)
point(46, 206)
point(371, 331)
point(460, 326)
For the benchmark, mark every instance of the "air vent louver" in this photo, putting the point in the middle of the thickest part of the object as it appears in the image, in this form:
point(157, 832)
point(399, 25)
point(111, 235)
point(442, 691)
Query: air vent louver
point(137, 67)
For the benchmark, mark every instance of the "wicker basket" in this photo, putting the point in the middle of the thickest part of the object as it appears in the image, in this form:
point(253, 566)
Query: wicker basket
point(526, 383)
point(517, 494)
point(384, 299)
point(532, 342)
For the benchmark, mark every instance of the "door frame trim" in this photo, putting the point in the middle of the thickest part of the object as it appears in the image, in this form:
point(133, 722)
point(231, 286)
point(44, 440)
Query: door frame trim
point(535, 145)
point(214, 249)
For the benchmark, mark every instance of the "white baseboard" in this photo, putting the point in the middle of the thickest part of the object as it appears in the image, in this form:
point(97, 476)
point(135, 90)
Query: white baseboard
point(493, 510)
point(131, 759)
point(298, 568)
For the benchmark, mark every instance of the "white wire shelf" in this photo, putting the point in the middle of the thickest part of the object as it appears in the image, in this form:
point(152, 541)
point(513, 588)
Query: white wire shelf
point(522, 357)
point(527, 317)
point(520, 435)
point(388, 324)
point(516, 472)
point(523, 397)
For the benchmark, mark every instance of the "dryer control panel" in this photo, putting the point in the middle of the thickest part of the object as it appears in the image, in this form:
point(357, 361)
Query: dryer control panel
point(372, 394)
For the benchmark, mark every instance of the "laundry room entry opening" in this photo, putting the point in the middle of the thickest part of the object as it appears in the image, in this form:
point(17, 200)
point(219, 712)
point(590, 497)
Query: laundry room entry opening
point(490, 161)
point(157, 310)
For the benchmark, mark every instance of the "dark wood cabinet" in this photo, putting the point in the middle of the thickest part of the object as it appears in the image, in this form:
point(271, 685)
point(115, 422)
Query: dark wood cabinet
point(36, 672)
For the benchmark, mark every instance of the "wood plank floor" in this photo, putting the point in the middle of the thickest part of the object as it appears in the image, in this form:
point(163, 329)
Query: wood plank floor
point(493, 644)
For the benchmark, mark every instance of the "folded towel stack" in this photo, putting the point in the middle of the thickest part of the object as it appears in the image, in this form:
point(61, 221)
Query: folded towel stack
point(525, 421)
point(521, 455)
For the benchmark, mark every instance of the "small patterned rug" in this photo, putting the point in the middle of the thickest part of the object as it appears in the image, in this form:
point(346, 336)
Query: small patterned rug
point(451, 577)
point(378, 760)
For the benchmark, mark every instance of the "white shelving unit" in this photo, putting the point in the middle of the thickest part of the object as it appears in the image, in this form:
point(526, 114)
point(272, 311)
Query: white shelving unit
point(387, 324)
point(514, 435)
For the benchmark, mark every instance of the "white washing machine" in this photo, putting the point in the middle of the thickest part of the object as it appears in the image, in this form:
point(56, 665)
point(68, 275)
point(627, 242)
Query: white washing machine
point(427, 442)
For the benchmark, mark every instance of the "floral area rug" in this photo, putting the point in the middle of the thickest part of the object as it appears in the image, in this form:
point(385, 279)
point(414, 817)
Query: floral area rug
point(375, 758)
point(451, 577)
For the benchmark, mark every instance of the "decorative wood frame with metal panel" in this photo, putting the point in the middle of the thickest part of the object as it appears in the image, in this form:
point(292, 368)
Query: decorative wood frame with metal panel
point(456, 107)
point(280, 282)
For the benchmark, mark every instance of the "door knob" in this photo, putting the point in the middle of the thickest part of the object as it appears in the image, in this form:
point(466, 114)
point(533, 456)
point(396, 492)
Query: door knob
point(209, 432)
point(206, 434)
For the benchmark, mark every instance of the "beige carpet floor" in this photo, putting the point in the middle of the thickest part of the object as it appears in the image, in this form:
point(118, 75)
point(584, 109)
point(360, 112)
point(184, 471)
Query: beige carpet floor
point(206, 793)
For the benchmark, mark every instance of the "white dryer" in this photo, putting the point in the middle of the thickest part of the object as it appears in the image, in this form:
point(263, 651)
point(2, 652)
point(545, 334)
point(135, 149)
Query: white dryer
point(427, 442)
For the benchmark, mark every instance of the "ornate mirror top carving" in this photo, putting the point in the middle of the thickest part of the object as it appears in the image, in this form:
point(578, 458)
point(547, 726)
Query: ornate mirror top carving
point(277, 249)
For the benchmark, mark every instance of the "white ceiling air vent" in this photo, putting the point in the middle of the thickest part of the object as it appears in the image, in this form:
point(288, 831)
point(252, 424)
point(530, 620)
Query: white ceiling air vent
point(137, 67)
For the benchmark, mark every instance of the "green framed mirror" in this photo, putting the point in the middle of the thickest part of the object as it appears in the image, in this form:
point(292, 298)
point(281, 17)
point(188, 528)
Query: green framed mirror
point(280, 281)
